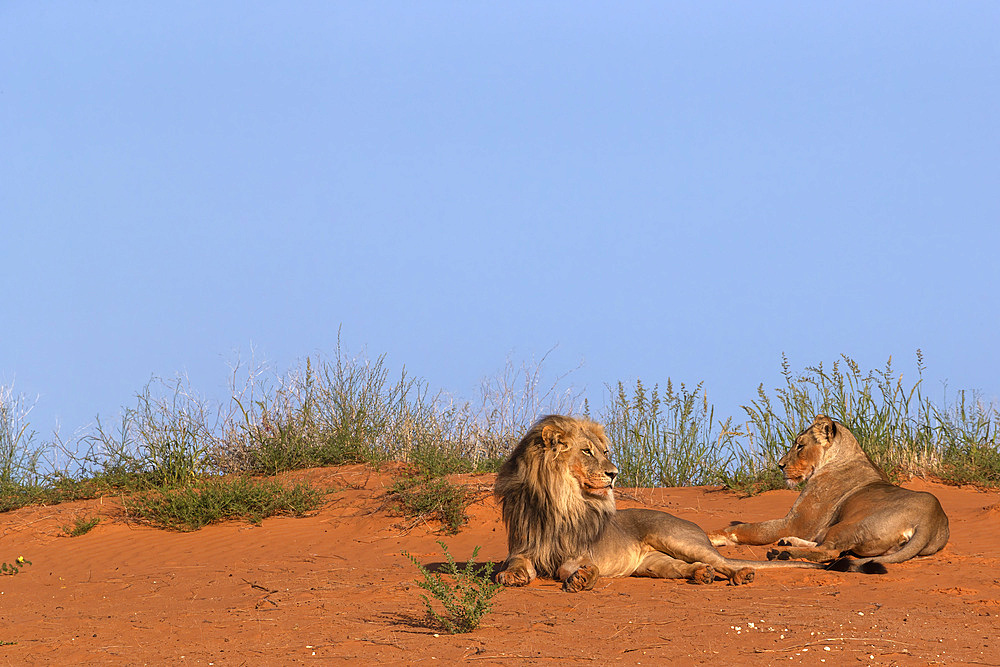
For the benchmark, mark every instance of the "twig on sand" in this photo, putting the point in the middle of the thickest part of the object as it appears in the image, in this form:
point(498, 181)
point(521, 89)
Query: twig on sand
point(509, 656)
point(820, 642)
point(253, 584)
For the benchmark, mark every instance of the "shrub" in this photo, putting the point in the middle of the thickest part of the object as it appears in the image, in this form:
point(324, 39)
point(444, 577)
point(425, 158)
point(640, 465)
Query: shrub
point(464, 601)
point(212, 500)
point(81, 526)
point(422, 496)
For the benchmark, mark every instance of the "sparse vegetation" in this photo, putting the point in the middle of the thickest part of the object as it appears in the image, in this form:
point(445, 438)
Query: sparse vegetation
point(425, 496)
point(81, 526)
point(465, 599)
point(666, 438)
point(212, 500)
point(15, 567)
point(169, 451)
point(903, 431)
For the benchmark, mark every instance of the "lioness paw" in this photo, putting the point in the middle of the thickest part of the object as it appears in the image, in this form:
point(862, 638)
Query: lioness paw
point(779, 554)
point(719, 538)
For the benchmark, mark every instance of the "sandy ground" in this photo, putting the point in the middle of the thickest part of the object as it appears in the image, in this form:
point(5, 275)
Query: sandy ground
point(334, 587)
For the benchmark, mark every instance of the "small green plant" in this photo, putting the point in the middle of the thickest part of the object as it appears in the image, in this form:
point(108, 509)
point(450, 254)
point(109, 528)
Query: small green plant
point(81, 526)
point(466, 600)
point(15, 567)
point(212, 500)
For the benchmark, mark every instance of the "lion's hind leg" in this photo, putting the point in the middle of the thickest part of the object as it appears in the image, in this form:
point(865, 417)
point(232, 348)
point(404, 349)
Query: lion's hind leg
point(661, 566)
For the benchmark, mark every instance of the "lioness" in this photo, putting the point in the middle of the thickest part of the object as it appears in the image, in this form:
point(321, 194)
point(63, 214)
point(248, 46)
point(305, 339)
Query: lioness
point(847, 507)
point(559, 509)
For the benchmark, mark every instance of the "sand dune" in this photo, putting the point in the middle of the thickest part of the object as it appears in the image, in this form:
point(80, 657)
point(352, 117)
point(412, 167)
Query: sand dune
point(334, 587)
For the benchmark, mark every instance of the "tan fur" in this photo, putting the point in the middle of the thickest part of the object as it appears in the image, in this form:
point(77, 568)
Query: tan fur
point(847, 508)
point(556, 491)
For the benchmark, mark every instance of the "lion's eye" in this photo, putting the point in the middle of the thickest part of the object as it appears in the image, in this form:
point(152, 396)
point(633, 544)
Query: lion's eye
point(588, 452)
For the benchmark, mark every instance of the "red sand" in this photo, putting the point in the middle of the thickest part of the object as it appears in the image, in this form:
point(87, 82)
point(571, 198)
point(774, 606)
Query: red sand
point(334, 587)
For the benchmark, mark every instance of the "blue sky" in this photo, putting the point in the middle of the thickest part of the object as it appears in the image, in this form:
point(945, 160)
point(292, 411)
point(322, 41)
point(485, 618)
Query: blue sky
point(683, 190)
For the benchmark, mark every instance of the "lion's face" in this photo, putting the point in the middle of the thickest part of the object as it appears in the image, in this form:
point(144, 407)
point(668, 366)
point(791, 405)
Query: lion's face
point(566, 459)
point(589, 462)
point(807, 454)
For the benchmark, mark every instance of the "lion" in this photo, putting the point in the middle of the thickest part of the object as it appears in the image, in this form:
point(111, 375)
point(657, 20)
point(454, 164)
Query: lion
point(848, 514)
point(557, 493)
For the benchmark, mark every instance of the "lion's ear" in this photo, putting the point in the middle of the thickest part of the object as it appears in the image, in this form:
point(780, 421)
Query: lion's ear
point(826, 428)
point(554, 437)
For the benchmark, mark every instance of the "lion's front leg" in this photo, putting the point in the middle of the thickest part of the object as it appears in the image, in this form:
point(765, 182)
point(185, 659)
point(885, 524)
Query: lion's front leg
point(517, 571)
point(578, 575)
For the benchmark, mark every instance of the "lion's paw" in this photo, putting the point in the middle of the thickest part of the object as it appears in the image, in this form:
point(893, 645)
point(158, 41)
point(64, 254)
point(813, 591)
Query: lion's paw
point(581, 580)
point(703, 574)
point(513, 578)
point(778, 554)
point(743, 576)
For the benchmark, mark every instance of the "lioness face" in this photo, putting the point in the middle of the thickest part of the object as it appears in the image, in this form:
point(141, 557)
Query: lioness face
point(590, 464)
point(803, 459)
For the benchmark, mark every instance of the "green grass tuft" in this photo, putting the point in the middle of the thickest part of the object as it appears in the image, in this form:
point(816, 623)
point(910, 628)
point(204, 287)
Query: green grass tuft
point(419, 495)
point(81, 526)
point(213, 500)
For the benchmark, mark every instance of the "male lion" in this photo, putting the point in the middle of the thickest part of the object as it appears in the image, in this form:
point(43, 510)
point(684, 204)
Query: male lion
point(559, 509)
point(847, 507)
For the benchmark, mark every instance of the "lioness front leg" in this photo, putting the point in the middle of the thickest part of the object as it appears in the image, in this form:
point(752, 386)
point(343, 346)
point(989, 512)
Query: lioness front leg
point(793, 541)
point(814, 553)
point(765, 532)
point(518, 571)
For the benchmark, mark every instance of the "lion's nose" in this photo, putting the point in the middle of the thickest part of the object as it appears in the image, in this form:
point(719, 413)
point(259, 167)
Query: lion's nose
point(611, 477)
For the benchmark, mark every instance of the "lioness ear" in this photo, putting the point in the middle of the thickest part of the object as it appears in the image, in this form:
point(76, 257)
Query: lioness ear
point(826, 426)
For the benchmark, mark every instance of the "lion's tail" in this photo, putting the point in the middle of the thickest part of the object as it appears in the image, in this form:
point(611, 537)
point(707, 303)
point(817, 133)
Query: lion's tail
point(876, 565)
